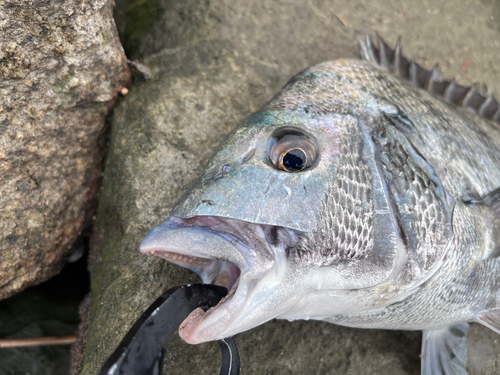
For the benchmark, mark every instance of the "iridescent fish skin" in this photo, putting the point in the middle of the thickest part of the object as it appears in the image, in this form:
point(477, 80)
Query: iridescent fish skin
point(394, 224)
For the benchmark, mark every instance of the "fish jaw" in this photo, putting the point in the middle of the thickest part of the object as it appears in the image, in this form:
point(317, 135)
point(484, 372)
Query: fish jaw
point(252, 271)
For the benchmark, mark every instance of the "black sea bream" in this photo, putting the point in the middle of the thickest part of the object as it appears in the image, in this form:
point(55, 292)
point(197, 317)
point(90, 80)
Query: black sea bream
point(365, 193)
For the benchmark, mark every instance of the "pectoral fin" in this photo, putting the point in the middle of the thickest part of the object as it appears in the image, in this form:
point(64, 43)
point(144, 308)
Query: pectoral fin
point(491, 203)
point(444, 351)
point(492, 200)
point(490, 319)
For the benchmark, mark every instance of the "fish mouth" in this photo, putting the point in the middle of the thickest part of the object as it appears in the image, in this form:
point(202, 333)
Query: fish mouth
point(230, 253)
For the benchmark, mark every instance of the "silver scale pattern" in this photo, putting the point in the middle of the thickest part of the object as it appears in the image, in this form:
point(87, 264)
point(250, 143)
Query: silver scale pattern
point(346, 229)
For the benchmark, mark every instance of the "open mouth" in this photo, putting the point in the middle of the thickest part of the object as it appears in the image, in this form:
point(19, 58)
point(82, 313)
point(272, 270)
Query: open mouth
point(227, 276)
point(227, 273)
point(225, 252)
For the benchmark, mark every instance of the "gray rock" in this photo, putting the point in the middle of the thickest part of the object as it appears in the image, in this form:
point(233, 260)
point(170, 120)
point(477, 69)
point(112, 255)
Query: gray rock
point(214, 63)
point(48, 309)
point(484, 351)
point(61, 68)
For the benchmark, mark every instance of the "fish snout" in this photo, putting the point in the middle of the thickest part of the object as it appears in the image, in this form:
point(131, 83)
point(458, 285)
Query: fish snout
point(248, 259)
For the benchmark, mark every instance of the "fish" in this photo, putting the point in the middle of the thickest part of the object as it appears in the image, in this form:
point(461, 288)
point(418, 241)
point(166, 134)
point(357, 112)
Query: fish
point(366, 193)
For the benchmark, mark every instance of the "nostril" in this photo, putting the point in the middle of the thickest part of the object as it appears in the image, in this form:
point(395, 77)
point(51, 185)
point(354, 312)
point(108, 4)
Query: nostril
point(226, 168)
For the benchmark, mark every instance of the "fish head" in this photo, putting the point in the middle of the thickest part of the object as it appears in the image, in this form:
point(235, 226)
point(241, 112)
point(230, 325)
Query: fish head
point(291, 215)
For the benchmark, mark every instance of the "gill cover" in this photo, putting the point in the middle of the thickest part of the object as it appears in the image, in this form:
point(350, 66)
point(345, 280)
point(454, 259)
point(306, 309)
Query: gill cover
point(370, 207)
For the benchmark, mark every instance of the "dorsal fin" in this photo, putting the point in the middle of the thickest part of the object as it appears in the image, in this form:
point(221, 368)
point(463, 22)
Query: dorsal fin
point(393, 60)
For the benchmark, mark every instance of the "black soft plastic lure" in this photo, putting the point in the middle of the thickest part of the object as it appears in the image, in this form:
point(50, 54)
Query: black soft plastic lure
point(142, 350)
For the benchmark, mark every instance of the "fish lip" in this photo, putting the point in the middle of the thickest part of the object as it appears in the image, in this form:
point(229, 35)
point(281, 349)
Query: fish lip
point(173, 236)
point(216, 320)
point(200, 242)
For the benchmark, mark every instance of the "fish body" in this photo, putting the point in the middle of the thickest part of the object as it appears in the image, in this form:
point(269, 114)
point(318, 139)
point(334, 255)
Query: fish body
point(356, 197)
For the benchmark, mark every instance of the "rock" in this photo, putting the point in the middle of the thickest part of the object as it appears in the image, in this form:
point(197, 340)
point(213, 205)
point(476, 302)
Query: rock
point(48, 309)
point(61, 68)
point(213, 64)
point(483, 346)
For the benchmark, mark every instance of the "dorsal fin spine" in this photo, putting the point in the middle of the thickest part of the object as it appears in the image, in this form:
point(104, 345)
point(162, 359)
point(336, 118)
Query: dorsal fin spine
point(430, 80)
point(488, 108)
point(386, 54)
point(433, 75)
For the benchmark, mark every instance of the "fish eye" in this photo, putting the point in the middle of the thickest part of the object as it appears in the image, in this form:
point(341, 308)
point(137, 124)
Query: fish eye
point(291, 150)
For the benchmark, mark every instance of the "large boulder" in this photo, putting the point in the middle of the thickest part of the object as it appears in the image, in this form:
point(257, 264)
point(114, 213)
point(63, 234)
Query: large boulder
point(61, 68)
point(214, 63)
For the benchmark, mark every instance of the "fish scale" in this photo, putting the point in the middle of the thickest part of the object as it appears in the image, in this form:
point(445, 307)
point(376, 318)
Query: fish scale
point(390, 218)
point(329, 244)
point(419, 206)
point(453, 130)
point(455, 299)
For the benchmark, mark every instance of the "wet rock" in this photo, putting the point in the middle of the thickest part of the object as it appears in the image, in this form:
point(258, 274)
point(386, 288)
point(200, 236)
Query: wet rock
point(213, 64)
point(61, 68)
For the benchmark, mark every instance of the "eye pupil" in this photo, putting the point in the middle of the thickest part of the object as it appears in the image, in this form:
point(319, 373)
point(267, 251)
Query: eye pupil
point(292, 150)
point(294, 160)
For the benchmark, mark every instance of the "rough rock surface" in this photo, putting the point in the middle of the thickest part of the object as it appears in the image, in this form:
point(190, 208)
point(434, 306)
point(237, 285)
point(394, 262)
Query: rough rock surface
point(215, 62)
point(48, 309)
point(61, 68)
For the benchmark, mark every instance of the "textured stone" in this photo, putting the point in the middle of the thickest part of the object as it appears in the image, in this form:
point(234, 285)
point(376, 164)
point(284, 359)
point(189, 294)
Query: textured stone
point(213, 64)
point(48, 309)
point(61, 68)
